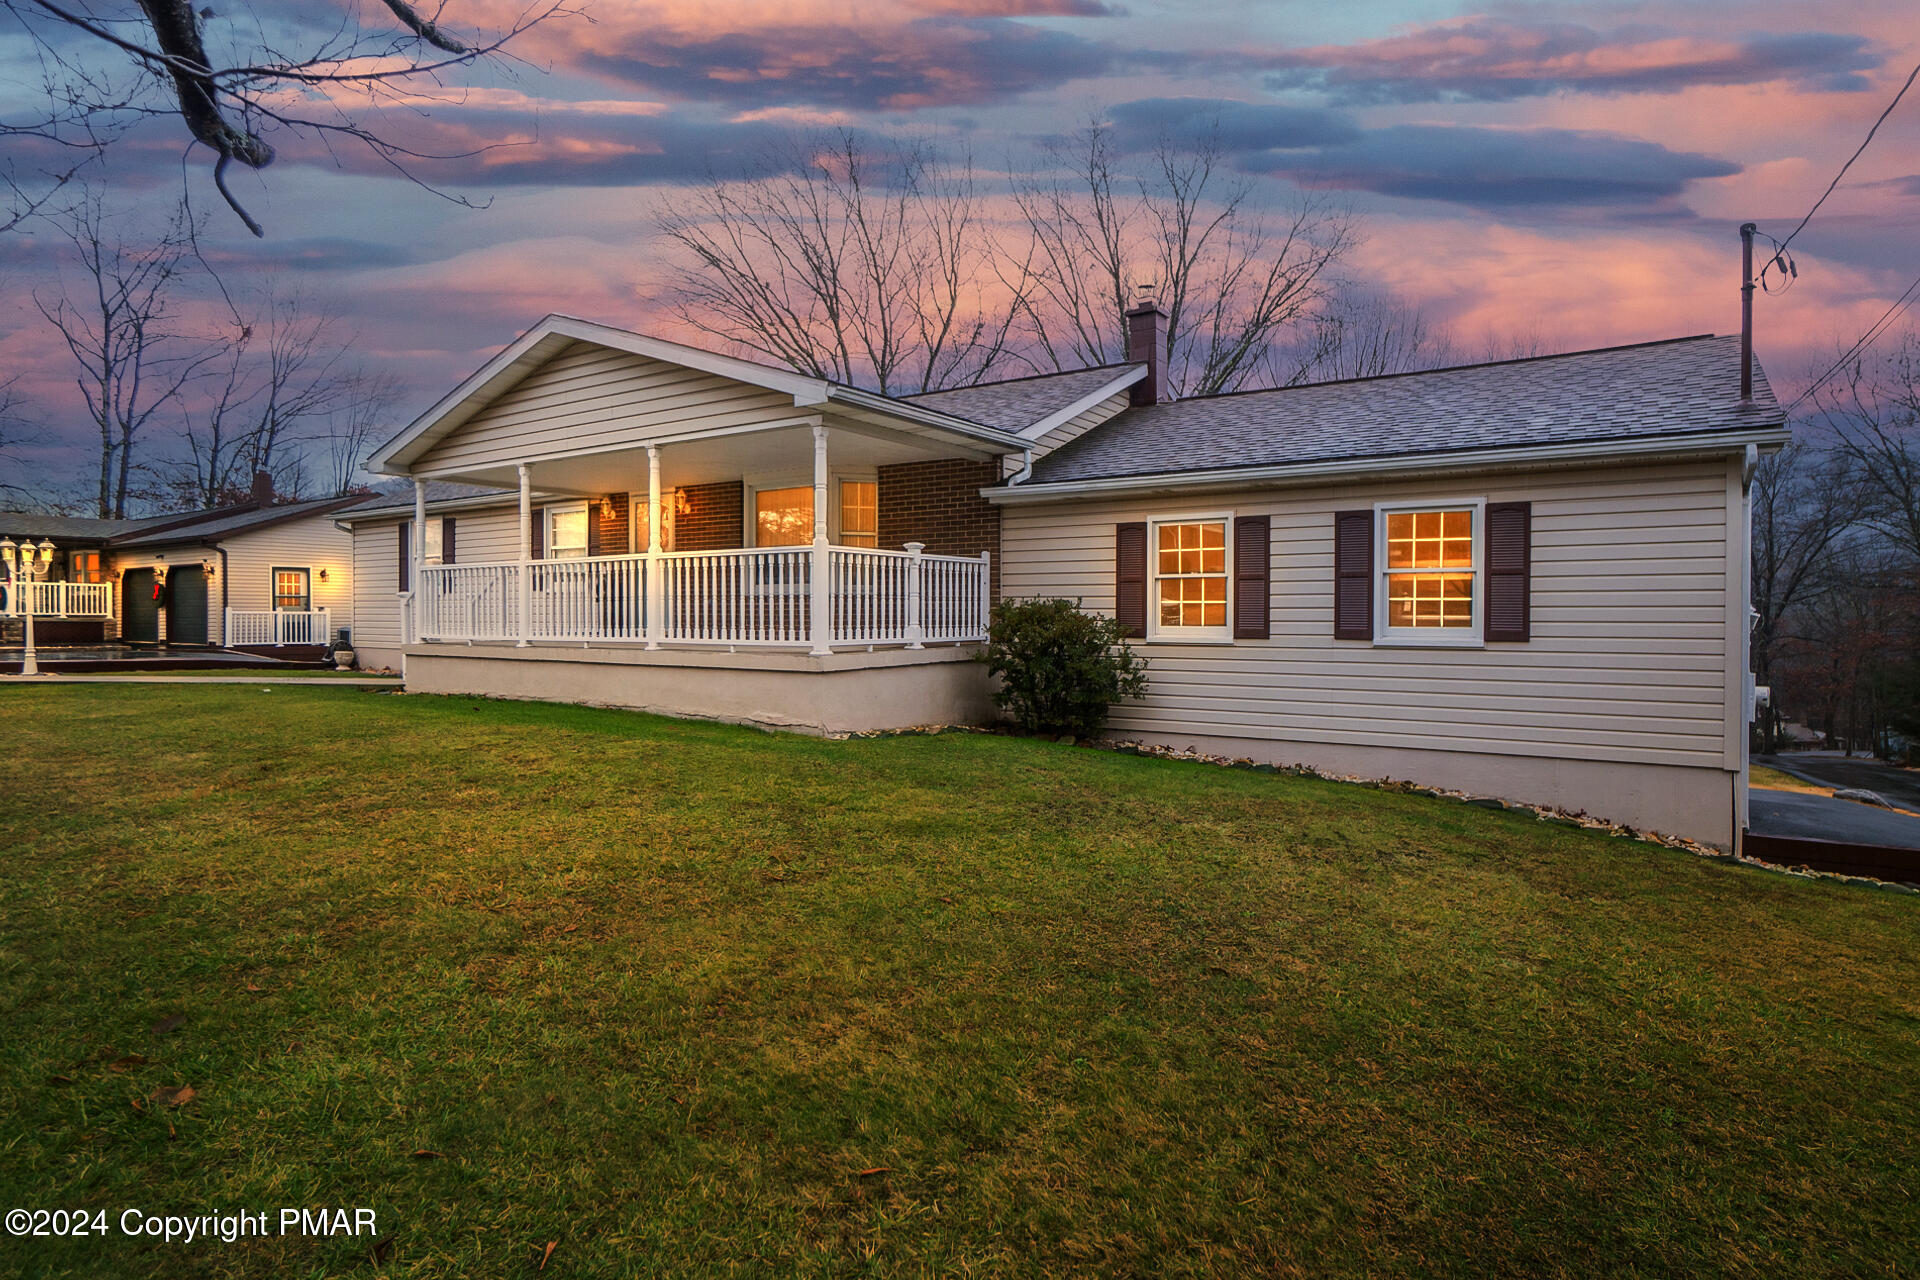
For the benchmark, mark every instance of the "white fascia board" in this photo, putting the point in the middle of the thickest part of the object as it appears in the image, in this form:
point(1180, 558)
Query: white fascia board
point(1768, 440)
point(1063, 416)
point(497, 375)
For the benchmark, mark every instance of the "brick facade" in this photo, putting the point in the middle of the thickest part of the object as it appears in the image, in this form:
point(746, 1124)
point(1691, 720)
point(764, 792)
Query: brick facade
point(939, 503)
point(714, 517)
point(607, 531)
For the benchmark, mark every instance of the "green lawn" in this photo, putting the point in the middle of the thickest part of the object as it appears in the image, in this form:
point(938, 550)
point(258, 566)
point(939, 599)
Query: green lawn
point(697, 1000)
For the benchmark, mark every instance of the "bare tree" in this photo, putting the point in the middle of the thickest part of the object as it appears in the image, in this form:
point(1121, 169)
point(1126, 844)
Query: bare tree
point(1365, 333)
point(1234, 275)
point(1805, 503)
point(222, 75)
point(1873, 407)
point(115, 319)
point(353, 432)
point(866, 263)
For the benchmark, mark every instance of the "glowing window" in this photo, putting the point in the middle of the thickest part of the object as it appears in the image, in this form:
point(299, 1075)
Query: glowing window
point(1430, 569)
point(291, 589)
point(859, 513)
point(1189, 564)
point(783, 517)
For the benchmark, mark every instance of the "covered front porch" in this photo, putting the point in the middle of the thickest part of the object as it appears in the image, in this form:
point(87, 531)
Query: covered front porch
point(763, 538)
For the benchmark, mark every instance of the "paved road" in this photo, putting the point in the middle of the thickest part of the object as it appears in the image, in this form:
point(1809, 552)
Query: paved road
point(1805, 817)
point(1901, 786)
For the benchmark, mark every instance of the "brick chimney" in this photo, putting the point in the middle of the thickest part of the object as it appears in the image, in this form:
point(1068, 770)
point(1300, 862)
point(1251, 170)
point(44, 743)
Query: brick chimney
point(262, 488)
point(1147, 344)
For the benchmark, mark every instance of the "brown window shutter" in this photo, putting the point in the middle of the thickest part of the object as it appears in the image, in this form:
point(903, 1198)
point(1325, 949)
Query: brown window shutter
point(406, 555)
point(1252, 610)
point(1130, 578)
point(539, 535)
point(446, 540)
point(593, 530)
point(1509, 571)
point(1353, 575)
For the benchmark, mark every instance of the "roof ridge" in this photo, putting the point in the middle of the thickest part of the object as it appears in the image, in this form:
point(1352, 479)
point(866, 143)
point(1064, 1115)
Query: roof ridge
point(1452, 368)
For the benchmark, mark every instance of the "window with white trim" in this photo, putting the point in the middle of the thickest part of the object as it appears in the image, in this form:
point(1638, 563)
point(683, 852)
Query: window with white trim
point(1429, 571)
point(859, 513)
point(1187, 579)
point(433, 545)
point(783, 517)
point(292, 589)
point(566, 532)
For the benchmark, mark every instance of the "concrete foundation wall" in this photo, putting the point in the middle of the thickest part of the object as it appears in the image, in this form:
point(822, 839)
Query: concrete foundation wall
point(1681, 800)
point(841, 693)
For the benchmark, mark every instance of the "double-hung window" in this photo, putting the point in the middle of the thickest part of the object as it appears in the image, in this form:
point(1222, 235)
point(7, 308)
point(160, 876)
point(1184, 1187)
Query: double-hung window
point(433, 543)
point(1429, 571)
point(566, 532)
point(1187, 571)
point(859, 513)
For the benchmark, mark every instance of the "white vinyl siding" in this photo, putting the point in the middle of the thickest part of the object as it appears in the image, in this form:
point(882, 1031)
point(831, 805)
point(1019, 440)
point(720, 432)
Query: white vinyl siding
point(487, 536)
point(313, 543)
point(244, 578)
point(588, 397)
point(1628, 659)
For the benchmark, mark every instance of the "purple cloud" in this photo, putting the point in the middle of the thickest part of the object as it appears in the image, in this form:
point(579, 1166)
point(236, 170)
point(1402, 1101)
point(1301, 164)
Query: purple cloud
point(1482, 59)
point(929, 62)
point(1499, 169)
point(1239, 126)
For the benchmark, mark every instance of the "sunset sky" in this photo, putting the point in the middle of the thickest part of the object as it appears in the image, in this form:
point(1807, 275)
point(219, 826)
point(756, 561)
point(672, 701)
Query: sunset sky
point(1574, 171)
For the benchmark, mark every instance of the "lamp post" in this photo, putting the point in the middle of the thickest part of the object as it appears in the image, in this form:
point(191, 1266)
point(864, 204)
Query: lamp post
point(25, 562)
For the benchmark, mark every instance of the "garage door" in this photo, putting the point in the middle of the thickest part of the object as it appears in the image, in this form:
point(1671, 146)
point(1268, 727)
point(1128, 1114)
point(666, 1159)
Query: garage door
point(187, 605)
point(140, 614)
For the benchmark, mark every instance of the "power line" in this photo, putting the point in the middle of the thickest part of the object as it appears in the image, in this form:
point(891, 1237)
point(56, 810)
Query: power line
point(1866, 340)
point(1911, 76)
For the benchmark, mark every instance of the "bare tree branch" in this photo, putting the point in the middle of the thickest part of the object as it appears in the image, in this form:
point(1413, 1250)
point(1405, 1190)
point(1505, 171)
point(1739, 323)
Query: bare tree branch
point(869, 264)
point(230, 106)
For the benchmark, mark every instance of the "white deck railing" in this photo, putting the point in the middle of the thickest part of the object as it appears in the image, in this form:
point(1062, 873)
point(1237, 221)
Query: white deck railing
point(57, 599)
point(278, 627)
point(755, 596)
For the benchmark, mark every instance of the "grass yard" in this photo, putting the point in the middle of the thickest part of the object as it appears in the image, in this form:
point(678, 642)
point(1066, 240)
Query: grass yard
point(695, 1000)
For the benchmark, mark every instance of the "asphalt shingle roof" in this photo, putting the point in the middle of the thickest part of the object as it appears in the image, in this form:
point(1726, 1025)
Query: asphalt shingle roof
point(399, 496)
point(1685, 386)
point(1018, 403)
point(226, 525)
point(17, 524)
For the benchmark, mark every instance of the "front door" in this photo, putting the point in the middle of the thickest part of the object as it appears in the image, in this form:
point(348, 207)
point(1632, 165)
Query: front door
point(187, 605)
point(140, 612)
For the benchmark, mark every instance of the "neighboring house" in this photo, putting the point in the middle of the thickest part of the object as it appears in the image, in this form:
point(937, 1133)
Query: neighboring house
point(1525, 579)
point(273, 578)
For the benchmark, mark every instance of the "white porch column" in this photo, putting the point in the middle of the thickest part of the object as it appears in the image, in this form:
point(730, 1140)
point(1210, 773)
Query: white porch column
point(656, 585)
point(526, 555)
point(416, 556)
point(821, 619)
point(916, 595)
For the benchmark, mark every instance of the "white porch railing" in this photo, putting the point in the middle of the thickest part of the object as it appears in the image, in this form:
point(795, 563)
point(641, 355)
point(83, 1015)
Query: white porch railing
point(57, 599)
point(277, 627)
point(756, 596)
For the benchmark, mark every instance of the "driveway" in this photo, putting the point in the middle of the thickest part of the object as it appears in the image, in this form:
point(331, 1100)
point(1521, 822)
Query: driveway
point(1804, 817)
point(1901, 787)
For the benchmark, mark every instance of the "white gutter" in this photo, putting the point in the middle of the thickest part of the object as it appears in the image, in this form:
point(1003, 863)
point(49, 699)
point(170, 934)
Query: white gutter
point(1767, 440)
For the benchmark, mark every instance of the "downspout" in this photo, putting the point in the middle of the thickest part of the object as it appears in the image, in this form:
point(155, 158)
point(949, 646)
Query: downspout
point(1026, 469)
